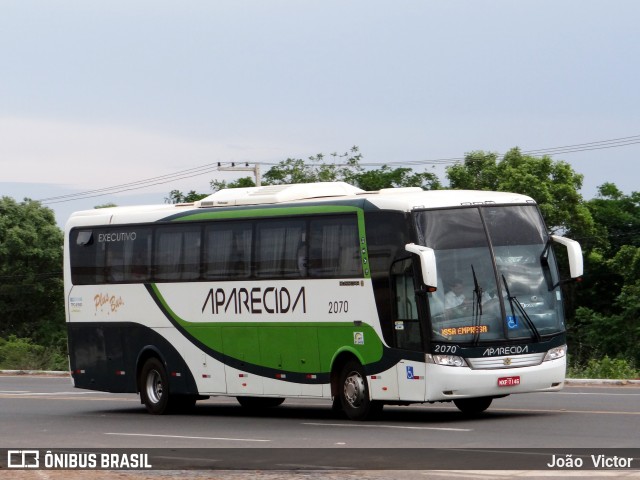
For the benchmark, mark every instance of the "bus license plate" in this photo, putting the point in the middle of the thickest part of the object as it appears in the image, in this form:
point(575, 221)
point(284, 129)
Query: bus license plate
point(508, 381)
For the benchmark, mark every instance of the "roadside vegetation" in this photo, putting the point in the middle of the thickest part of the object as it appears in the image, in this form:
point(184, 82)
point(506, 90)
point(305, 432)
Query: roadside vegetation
point(23, 354)
point(613, 368)
point(602, 312)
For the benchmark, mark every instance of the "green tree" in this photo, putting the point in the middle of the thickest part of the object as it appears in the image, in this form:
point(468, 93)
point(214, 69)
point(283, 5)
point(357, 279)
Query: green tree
point(611, 254)
point(176, 196)
point(335, 167)
point(608, 321)
point(31, 288)
point(242, 182)
point(618, 219)
point(386, 177)
point(554, 185)
point(342, 168)
point(616, 335)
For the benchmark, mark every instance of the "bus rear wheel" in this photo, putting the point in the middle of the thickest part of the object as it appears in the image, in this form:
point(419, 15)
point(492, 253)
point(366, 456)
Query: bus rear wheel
point(473, 406)
point(354, 393)
point(154, 387)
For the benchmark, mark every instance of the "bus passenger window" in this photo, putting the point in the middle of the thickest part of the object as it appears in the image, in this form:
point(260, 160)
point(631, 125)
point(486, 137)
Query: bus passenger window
point(228, 250)
point(138, 257)
point(177, 254)
point(334, 247)
point(278, 248)
point(115, 263)
point(87, 258)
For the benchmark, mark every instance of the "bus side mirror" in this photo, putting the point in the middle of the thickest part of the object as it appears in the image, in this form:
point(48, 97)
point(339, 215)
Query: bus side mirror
point(574, 252)
point(427, 264)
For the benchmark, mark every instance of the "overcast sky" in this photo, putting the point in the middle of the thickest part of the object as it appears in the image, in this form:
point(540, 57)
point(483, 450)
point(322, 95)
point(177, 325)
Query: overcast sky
point(101, 93)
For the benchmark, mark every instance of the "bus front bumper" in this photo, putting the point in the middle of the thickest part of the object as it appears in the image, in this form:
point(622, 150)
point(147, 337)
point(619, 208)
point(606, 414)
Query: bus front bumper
point(445, 383)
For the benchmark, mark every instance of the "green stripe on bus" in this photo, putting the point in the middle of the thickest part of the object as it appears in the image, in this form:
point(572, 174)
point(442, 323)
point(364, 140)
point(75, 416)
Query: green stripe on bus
point(275, 211)
point(300, 347)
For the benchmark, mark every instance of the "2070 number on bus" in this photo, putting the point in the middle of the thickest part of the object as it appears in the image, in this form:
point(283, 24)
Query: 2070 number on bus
point(340, 306)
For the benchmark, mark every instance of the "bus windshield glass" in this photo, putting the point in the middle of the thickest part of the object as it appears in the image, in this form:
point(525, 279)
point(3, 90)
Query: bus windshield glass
point(497, 278)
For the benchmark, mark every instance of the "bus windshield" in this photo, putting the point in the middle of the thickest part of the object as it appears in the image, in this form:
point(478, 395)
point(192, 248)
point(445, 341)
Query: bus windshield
point(497, 278)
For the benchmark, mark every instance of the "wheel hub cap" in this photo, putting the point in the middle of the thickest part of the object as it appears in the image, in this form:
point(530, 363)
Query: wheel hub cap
point(354, 389)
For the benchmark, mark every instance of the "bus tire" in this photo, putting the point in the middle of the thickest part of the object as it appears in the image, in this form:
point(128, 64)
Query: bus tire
point(473, 406)
point(336, 406)
point(259, 403)
point(154, 387)
point(354, 393)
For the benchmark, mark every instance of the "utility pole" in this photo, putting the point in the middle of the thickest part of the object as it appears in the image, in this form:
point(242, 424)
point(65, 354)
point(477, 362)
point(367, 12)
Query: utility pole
point(255, 169)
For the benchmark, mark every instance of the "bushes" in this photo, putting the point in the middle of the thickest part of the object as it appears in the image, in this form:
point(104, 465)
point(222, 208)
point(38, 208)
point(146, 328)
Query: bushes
point(614, 368)
point(22, 354)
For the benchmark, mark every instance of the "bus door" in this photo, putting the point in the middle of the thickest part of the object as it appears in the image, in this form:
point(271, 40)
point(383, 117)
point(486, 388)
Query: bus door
point(408, 331)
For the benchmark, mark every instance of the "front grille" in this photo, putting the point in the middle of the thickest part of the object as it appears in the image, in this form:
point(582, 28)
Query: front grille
point(508, 361)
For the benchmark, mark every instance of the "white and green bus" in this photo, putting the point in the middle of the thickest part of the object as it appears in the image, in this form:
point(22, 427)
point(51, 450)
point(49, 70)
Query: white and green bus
point(320, 290)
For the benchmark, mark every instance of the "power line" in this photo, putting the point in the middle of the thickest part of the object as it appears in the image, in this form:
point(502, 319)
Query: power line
point(612, 142)
point(583, 147)
point(217, 166)
point(192, 172)
point(580, 147)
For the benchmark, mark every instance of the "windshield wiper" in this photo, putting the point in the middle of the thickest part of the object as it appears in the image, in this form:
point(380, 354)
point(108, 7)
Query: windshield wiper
point(477, 306)
point(520, 308)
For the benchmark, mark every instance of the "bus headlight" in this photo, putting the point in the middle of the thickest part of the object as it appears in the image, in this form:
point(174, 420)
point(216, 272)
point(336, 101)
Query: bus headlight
point(448, 360)
point(556, 353)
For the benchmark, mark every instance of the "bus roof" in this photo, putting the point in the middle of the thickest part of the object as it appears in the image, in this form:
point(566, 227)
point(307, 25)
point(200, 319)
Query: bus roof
point(403, 199)
point(278, 194)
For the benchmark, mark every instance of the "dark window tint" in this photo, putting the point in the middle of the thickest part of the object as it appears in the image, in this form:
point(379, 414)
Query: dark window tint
point(406, 323)
point(84, 251)
point(113, 255)
point(320, 247)
point(515, 225)
point(177, 253)
point(334, 247)
point(228, 250)
point(386, 238)
point(280, 248)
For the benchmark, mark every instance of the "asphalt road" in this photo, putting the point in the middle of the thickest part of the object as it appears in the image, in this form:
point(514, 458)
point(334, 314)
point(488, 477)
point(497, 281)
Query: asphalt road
point(48, 413)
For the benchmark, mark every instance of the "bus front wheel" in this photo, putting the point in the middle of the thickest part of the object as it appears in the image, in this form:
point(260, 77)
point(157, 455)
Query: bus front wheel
point(473, 406)
point(354, 393)
point(154, 387)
